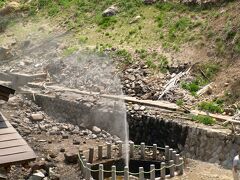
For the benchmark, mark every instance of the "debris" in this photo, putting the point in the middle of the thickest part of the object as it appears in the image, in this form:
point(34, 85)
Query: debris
point(37, 117)
point(205, 90)
point(135, 19)
point(172, 82)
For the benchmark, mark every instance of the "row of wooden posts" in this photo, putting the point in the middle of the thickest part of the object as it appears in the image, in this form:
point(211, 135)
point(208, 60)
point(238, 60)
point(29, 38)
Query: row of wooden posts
point(173, 162)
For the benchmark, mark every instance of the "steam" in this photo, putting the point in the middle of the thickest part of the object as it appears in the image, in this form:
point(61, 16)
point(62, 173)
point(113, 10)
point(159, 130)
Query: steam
point(95, 73)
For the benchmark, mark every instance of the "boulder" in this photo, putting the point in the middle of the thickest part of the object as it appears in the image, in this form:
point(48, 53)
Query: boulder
point(96, 129)
point(111, 11)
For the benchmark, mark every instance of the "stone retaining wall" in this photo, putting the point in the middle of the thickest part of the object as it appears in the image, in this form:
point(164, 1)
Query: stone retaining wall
point(193, 140)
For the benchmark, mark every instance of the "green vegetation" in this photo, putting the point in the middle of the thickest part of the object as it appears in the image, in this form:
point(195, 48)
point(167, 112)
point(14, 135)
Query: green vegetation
point(171, 24)
point(213, 106)
point(192, 87)
point(175, 30)
point(105, 22)
point(179, 102)
point(2, 2)
point(125, 55)
point(206, 73)
point(82, 39)
point(69, 51)
point(207, 120)
point(153, 60)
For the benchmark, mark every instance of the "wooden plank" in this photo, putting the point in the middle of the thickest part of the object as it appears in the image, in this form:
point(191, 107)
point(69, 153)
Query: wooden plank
point(159, 104)
point(15, 150)
point(17, 158)
point(13, 143)
point(8, 137)
point(8, 130)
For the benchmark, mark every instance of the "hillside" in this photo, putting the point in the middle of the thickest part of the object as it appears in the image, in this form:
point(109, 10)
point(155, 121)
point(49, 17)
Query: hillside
point(156, 40)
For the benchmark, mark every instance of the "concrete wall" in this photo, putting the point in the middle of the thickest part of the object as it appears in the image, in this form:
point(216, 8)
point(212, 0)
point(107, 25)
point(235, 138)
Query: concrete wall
point(193, 140)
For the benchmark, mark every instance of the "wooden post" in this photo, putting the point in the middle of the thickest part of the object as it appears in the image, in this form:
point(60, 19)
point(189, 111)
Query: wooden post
point(142, 150)
point(109, 150)
point(114, 177)
point(170, 153)
point(141, 173)
point(85, 167)
point(131, 149)
point(166, 153)
point(172, 168)
point(163, 170)
point(81, 155)
point(100, 173)
point(152, 172)
point(174, 156)
point(120, 146)
point(181, 166)
point(100, 152)
point(91, 155)
point(126, 173)
point(177, 161)
point(154, 151)
point(82, 164)
point(88, 171)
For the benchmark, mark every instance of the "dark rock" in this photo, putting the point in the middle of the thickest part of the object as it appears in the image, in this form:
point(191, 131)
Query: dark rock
point(76, 142)
point(71, 157)
point(65, 136)
point(149, 1)
point(62, 150)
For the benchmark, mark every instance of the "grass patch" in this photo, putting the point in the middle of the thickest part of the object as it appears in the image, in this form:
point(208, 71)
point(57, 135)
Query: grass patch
point(213, 106)
point(82, 39)
point(192, 87)
point(175, 30)
point(179, 102)
point(2, 2)
point(69, 51)
point(105, 22)
point(125, 55)
point(206, 73)
point(207, 120)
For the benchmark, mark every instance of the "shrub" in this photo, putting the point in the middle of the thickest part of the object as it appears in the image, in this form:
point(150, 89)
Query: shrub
point(207, 120)
point(125, 55)
point(105, 22)
point(213, 107)
point(193, 87)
